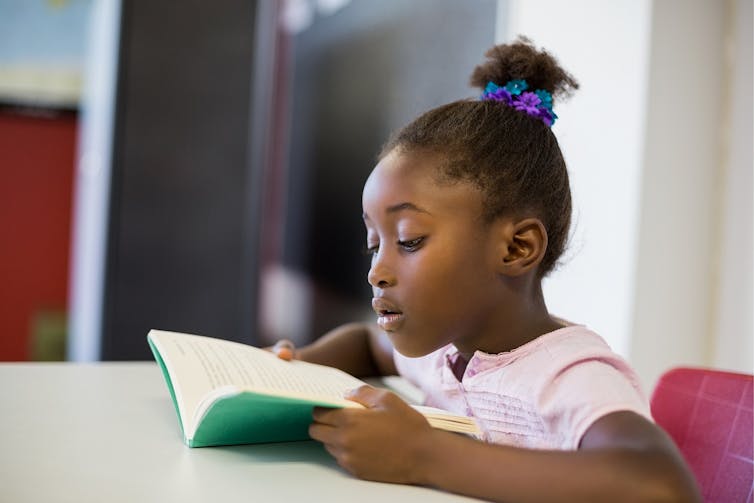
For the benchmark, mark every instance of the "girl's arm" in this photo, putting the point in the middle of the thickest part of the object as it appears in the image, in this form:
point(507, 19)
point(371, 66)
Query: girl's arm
point(622, 457)
point(361, 349)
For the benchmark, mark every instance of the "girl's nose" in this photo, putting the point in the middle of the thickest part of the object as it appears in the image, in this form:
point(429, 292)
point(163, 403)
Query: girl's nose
point(380, 276)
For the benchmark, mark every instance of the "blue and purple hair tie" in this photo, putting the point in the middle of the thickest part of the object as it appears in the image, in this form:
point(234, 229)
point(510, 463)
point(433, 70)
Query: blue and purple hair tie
point(536, 104)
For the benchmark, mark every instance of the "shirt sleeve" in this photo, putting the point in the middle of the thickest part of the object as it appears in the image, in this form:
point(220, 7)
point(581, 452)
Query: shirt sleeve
point(581, 393)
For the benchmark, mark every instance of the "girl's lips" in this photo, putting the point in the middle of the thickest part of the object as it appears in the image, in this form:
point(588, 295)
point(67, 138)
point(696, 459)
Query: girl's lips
point(390, 322)
point(389, 316)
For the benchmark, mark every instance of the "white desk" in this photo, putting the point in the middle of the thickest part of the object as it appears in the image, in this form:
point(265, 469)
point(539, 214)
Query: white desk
point(108, 432)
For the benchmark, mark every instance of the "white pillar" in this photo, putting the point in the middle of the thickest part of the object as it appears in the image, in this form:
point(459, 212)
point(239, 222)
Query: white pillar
point(92, 183)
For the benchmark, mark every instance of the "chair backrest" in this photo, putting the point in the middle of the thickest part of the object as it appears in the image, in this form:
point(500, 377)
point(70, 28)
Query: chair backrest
point(708, 413)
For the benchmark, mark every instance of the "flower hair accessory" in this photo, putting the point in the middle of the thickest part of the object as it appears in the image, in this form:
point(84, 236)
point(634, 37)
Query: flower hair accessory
point(536, 104)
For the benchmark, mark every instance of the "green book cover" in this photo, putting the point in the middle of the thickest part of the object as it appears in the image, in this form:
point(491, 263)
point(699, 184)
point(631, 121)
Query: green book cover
point(227, 393)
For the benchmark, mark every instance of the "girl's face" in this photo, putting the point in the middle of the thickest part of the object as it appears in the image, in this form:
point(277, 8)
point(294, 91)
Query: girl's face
point(434, 262)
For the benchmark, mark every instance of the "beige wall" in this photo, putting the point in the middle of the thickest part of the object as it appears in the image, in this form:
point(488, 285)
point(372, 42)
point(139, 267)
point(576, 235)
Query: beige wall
point(733, 317)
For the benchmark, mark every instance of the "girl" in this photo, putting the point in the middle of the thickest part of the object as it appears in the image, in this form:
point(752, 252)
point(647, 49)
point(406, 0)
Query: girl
point(466, 211)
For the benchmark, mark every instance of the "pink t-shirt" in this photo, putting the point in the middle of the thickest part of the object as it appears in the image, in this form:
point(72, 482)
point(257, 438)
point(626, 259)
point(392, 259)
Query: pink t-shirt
point(542, 395)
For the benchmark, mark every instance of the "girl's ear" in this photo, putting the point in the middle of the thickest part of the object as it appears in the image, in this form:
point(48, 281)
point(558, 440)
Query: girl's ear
point(523, 246)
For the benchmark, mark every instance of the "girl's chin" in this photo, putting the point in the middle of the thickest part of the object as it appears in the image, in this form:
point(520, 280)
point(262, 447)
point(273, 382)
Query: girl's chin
point(406, 345)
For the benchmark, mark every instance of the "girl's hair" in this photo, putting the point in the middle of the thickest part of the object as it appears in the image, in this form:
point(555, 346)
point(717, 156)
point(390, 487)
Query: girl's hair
point(512, 157)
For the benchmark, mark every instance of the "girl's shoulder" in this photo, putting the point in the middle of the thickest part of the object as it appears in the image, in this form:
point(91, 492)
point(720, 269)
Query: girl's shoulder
point(556, 352)
point(572, 340)
point(569, 339)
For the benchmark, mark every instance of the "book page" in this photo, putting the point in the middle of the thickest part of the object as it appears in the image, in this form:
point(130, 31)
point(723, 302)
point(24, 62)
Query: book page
point(200, 365)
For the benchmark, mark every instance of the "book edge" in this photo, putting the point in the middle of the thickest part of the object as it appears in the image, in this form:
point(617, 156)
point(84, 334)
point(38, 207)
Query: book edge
point(168, 381)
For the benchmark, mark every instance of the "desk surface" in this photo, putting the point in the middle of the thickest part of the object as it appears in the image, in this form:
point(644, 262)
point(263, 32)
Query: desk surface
point(109, 432)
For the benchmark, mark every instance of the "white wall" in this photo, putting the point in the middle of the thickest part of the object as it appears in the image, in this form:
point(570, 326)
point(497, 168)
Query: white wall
point(659, 144)
point(696, 221)
point(601, 132)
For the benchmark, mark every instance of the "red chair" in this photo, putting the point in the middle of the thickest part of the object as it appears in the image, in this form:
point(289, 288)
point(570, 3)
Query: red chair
point(708, 413)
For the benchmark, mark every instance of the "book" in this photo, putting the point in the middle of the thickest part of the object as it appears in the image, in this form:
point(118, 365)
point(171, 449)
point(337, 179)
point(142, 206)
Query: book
point(228, 393)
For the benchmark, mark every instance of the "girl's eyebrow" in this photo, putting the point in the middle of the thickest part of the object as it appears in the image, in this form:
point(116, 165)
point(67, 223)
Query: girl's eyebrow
point(400, 207)
point(405, 206)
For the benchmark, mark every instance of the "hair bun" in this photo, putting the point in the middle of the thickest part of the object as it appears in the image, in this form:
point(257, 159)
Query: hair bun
point(521, 60)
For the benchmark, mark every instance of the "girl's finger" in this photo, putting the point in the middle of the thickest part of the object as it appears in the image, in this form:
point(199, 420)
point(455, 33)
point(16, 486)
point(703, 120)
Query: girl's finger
point(284, 349)
point(328, 415)
point(322, 433)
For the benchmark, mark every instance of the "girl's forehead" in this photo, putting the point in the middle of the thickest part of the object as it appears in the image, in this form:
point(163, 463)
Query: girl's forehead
point(401, 178)
point(400, 168)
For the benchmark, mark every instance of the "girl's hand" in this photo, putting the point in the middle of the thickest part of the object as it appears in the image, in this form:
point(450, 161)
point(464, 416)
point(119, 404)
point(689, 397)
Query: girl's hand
point(383, 442)
point(284, 349)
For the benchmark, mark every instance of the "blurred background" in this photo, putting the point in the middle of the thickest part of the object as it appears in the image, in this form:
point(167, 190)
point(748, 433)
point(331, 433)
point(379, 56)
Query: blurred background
point(197, 166)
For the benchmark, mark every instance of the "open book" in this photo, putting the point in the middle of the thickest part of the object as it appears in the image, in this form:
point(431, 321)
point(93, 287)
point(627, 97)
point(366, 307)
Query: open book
point(228, 393)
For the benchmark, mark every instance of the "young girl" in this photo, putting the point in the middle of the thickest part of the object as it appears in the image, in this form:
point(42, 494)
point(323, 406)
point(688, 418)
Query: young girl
point(466, 211)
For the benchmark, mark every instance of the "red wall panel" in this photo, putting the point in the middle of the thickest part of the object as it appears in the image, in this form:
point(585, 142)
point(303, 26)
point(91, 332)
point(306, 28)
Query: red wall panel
point(37, 159)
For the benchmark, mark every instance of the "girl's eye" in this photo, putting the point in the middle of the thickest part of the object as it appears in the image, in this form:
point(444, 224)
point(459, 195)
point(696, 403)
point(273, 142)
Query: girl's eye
point(371, 250)
point(411, 245)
